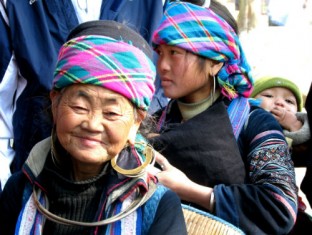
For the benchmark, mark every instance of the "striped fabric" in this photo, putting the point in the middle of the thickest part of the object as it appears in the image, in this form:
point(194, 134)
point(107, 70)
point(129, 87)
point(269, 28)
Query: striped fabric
point(106, 62)
point(200, 31)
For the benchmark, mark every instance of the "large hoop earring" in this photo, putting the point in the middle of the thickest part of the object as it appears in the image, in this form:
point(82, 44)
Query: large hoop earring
point(146, 157)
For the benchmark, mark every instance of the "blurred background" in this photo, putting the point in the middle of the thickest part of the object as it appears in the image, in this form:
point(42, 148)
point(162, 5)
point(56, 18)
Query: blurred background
point(276, 36)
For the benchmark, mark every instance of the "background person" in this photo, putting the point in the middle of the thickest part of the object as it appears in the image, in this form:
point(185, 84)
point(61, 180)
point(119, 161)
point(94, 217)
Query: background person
point(249, 15)
point(307, 180)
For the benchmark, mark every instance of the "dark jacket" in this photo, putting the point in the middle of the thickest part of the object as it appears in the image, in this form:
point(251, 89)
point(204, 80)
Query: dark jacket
point(263, 202)
point(85, 200)
point(307, 180)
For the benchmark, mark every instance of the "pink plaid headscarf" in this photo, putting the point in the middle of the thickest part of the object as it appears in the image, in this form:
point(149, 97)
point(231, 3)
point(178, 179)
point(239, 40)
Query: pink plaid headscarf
point(106, 62)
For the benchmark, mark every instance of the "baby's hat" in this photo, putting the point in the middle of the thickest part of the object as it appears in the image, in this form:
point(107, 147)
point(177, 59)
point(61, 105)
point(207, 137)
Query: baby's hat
point(264, 83)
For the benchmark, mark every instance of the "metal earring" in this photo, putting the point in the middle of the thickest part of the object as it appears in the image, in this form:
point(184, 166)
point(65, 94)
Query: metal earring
point(146, 158)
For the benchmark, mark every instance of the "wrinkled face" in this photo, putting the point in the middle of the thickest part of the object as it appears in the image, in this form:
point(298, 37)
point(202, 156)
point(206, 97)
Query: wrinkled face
point(93, 124)
point(278, 97)
point(180, 75)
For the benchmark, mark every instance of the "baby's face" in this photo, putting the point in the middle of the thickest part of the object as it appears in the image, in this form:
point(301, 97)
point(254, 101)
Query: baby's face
point(278, 97)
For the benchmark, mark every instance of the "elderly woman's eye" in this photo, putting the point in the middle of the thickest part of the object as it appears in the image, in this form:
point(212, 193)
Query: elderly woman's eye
point(111, 114)
point(79, 108)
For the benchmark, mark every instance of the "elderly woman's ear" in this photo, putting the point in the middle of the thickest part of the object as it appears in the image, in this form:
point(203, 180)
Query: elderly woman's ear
point(135, 127)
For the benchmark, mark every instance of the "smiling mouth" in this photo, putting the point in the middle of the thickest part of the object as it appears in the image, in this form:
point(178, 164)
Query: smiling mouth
point(89, 141)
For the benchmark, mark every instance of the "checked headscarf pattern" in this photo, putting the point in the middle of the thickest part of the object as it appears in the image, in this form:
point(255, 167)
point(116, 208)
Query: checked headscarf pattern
point(113, 64)
point(202, 32)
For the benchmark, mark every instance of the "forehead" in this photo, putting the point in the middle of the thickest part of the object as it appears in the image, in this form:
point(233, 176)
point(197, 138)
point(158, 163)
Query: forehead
point(94, 94)
point(169, 47)
point(280, 90)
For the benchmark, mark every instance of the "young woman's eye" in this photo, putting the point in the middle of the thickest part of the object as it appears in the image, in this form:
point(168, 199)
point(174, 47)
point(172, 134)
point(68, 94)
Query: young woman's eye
point(173, 52)
point(158, 51)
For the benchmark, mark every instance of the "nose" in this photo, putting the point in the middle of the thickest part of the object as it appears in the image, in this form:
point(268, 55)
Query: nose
point(94, 123)
point(280, 102)
point(162, 64)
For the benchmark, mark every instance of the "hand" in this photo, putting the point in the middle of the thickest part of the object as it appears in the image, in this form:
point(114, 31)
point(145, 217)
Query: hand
point(286, 119)
point(178, 182)
point(169, 175)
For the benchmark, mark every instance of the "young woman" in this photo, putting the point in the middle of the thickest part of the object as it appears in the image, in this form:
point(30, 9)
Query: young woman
point(219, 153)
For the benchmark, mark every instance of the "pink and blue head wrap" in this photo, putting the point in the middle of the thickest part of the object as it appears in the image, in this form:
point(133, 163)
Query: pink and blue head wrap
point(103, 61)
point(202, 32)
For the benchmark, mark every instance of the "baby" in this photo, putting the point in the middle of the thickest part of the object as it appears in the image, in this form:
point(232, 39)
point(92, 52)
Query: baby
point(283, 99)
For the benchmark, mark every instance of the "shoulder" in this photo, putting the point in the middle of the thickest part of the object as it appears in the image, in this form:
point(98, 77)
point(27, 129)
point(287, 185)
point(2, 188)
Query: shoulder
point(15, 181)
point(261, 120)
point(168, 217)
point(167, 199)
point(14, 187)
point(260, 126)
point(153, 202)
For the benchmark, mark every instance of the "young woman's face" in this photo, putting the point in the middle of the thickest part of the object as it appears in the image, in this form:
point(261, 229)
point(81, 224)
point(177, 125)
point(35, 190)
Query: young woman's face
point(180, 75)
point(93, 124)
point(278, 97)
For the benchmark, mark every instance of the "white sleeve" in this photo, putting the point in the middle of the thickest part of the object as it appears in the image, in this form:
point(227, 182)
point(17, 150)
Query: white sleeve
point(11, 86)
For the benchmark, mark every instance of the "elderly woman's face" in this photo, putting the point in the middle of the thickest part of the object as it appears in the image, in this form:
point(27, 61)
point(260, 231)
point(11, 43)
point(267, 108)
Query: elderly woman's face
point(93, 124)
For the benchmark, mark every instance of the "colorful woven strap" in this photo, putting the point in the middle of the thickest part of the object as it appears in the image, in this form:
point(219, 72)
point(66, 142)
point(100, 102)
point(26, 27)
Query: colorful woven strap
point(238, 111)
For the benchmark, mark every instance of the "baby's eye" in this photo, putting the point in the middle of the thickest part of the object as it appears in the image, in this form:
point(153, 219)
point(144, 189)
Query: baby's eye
point(267, 95)
point(290, 101)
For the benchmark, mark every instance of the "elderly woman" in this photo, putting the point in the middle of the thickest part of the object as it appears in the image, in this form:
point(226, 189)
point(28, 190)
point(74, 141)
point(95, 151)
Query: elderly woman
point(221, 154)
point(89, 177)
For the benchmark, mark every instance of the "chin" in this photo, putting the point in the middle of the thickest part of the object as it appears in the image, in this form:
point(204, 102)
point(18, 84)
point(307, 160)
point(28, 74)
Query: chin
point(91, 158)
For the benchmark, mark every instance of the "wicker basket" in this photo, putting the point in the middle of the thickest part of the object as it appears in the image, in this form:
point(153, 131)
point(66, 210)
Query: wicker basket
point(199, 222)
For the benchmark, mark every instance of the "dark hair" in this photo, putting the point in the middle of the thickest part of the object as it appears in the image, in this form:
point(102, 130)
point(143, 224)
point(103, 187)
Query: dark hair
point(224, 13)
point(112, 29)
point(196, 2)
